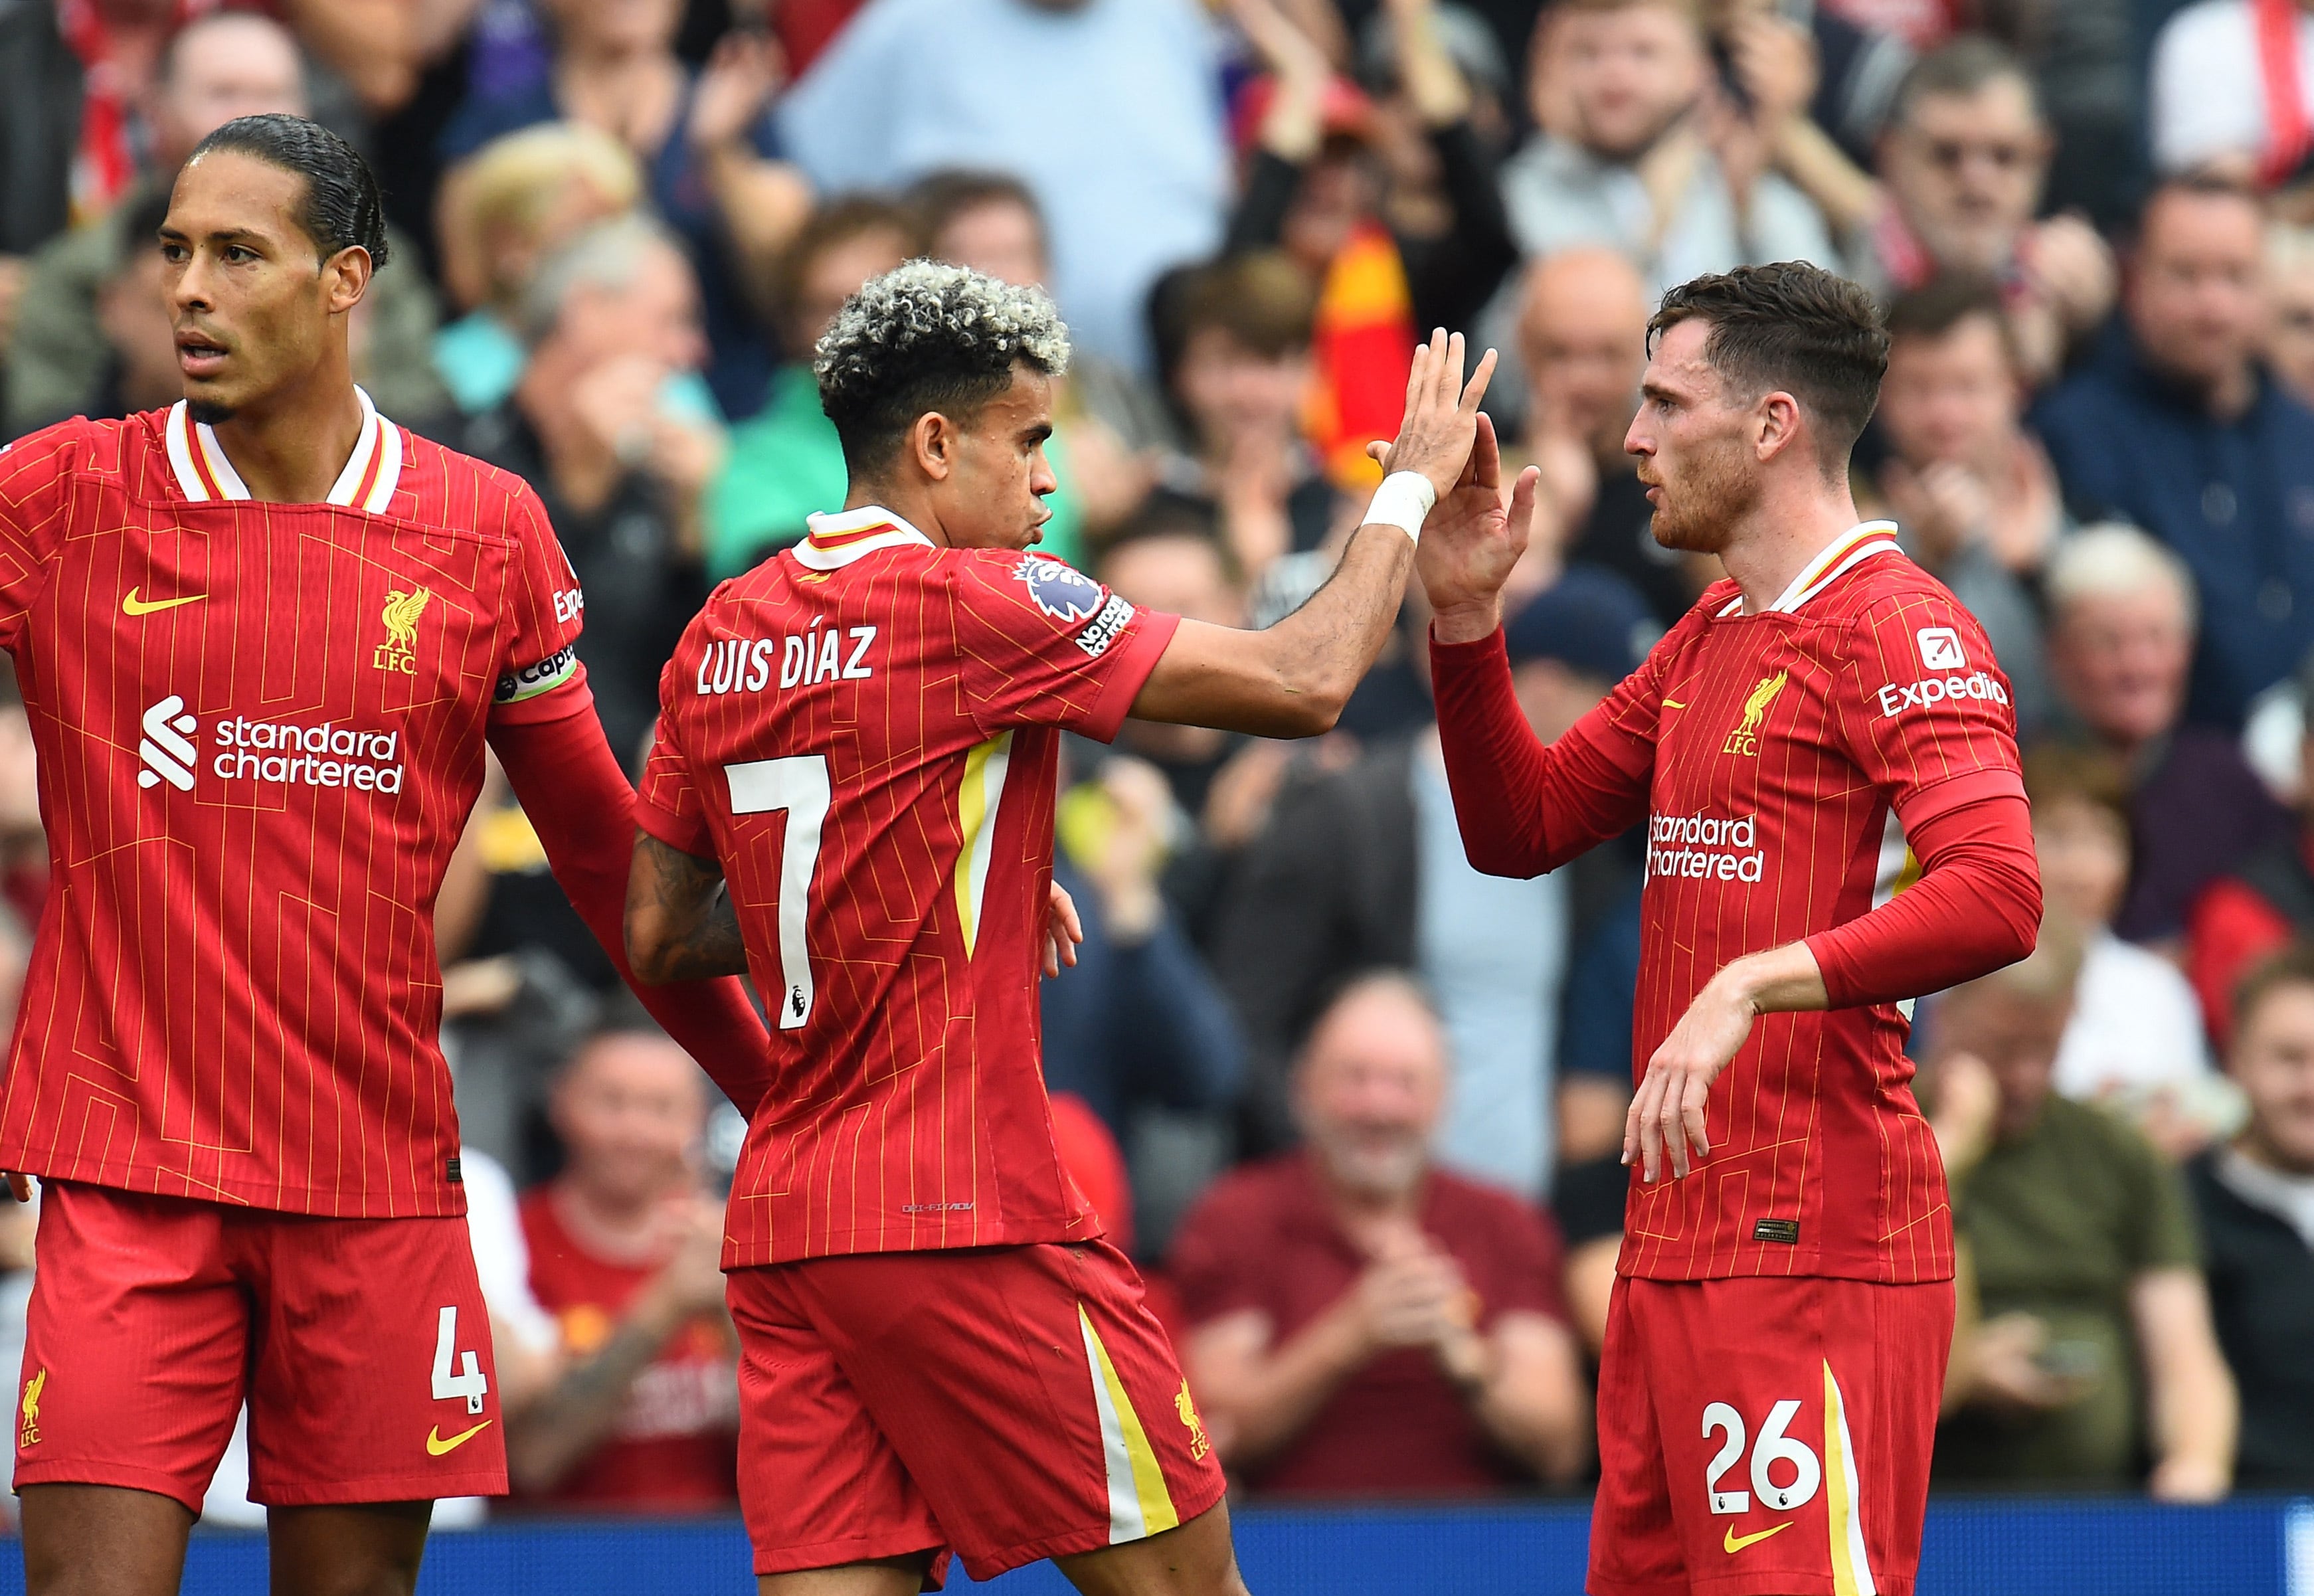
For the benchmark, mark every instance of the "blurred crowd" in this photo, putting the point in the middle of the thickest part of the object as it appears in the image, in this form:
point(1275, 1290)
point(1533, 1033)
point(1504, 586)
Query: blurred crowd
point(1357, 1107)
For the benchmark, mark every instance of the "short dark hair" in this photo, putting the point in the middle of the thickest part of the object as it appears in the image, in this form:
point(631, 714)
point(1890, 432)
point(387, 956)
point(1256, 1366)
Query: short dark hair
point(2068, 773)
point(2194, 185)
point(1795, 327)
point(1947, 302)
point(2293, 965)
point(939, 198)
point(928, 337)
point(341, 209)
point(1263, 300)
point(1961, 67)
point(833, 225)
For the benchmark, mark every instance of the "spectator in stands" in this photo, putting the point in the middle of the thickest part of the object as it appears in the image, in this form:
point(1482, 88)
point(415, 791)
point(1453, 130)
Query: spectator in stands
point(2290, 308)
point(1139, 1029)
point(625, 1251)
point(1364, 1323)
point(2134, 1041)
point(1366, 867)
point(1582, 341)
point(1238, 380)
point(604, 426)
point(785, 464)
point(2259, 907)
point(140, 370)
point(1962, 170)
point(2096, 1346)
point(705, 142)
point(1314, 187)
point(2255, 1200)
point(2176, 425)
point(992, 223)
point(2210, 102)
point(1978, 502)
point(2122, 616)
point(1656, 160)
point(226, 65)
point(1109, 110)
point(523, 197)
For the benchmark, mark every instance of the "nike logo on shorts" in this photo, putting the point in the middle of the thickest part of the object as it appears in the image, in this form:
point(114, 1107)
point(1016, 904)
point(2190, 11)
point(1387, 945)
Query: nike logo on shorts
point(435, 1446)
point(1734, 1542)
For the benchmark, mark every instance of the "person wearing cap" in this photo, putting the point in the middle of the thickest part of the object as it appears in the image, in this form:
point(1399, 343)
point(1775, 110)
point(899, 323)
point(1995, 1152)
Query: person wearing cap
point(1319, 156)
point(1364, 868)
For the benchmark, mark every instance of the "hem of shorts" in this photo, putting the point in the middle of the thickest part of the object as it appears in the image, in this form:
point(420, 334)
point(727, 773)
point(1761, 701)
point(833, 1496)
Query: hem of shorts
point(1764, 1582)
point(848, 1548)
point(1865, 1274)
point(304, 1201)
point(129, 1477)
point(985, 1566)
point(382, 1487)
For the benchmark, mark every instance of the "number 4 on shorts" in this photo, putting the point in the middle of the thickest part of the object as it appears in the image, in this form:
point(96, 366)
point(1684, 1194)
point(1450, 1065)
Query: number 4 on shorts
point(469, 1381)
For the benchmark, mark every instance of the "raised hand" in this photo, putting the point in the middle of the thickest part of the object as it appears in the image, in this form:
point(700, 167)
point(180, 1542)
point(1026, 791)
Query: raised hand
point(1441, 414)
point(1470, 539)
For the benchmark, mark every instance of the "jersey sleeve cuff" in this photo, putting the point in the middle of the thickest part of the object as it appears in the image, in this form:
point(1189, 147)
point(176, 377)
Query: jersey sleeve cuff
point(1925, 804)
point(1131, 669)
point(686, 833)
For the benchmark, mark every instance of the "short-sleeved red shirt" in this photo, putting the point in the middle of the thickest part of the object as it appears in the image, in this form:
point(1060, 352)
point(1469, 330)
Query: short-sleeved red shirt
point(1263, 1238)
point(675, 1444)
point(865, 731)
point(259, 728)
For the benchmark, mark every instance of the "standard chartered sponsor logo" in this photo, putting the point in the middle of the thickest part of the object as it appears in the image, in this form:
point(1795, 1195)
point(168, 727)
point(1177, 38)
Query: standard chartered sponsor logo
point(276, 752)
point(166, 752)
point(1930, 691)
point(1705, 847)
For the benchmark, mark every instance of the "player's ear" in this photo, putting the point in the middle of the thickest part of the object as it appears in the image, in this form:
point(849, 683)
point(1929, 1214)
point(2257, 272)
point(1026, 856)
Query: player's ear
point(346, 275)
point(1775, 424)
point(933, 441)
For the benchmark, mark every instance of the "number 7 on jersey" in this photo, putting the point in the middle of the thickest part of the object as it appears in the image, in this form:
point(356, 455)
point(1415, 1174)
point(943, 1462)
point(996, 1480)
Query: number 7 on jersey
point(798, 784)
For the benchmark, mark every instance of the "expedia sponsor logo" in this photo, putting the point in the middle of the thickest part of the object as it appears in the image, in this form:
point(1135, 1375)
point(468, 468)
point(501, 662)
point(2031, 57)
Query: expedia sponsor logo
point(1705, 847)
point(532, 680)
point(1095, 640)
point(1932, 690)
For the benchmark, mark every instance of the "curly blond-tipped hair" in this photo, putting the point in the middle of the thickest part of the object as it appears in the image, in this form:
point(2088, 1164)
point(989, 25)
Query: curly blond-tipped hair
point(929, 337)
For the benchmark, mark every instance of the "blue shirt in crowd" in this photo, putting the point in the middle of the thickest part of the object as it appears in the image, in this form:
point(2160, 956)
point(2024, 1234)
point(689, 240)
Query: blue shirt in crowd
point(2235, 499)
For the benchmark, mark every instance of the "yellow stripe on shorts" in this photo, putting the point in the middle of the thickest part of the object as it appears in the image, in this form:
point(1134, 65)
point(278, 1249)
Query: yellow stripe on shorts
point(1851, 1570)
point(1139, 1503)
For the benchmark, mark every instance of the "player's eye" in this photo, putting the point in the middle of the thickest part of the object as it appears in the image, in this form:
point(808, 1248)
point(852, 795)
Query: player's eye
point(176, 252)
point(239, 254)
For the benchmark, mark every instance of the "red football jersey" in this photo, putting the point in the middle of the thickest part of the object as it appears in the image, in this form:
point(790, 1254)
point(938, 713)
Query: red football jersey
point(865, 731)
point(259, 728)
point(675, 1444)
point(1769, 757)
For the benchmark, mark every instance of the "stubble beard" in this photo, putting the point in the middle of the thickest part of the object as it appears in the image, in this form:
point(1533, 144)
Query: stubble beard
point(1701, 516)
point(209, 413)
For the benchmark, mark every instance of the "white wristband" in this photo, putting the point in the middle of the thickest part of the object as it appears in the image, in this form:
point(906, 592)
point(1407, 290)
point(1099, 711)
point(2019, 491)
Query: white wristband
point(1403, 499)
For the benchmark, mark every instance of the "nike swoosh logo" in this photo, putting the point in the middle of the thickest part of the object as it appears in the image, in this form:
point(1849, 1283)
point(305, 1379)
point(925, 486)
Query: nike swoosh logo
point(134, 605)
point(1733, 1543)
point(435, 1446)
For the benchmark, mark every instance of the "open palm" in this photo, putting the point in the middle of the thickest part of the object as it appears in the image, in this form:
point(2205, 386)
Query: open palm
point(1470, 541)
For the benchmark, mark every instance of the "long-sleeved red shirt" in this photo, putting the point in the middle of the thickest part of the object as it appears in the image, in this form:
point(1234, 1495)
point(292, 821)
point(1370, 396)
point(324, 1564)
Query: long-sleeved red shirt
point(1842, 768)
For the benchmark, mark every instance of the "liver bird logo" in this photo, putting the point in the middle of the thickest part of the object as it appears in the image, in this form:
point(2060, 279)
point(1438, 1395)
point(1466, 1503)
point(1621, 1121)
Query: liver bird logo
point(1746, 737)
point(1186, 1405)
point(402, 612)
point(31, 1434)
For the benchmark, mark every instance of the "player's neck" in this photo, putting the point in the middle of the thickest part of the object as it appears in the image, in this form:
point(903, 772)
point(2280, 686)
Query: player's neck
point(291, 447)
point(1783, 531)
point(916, 508)
point(609, 1230)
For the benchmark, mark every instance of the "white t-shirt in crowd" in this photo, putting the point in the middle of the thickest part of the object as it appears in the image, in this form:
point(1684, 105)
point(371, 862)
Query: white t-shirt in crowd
point(2207, 96)
point(2135, 1025)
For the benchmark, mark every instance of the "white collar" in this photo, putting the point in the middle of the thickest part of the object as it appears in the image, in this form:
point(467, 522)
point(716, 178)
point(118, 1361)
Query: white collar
point(837, 540)
point(1859, 543)
point(372, 471)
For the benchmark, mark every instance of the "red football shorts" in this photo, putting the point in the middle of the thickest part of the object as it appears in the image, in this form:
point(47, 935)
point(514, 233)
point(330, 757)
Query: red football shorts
point(1010, 1403)
point(1766, 1437)
point(361, 1347)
